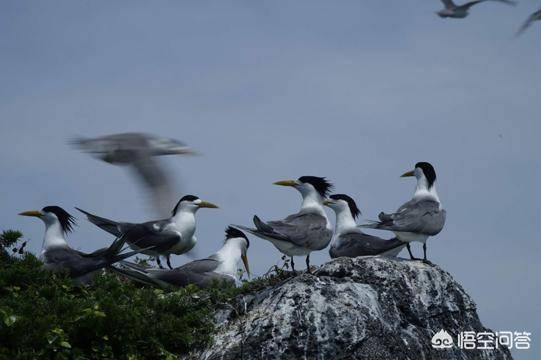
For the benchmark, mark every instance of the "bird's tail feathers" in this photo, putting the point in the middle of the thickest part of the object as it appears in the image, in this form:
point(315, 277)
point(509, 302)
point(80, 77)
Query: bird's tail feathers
point(103, 223)
point(135, 275)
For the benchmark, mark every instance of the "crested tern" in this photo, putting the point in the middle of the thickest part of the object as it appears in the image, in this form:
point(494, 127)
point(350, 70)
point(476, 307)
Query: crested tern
point(57, 254)
point(419, 218)
point(301, 233)
point(348, 240)
point(138, 151)
point(220, 266)
point(536, 16)
point(451, 10)
point(174, 235)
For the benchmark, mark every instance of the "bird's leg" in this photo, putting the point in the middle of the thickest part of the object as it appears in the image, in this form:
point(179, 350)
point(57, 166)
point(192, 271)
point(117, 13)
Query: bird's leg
point(169, 261)
point(292, 265)
point(159, 262)
point(308, 264)
point(411, 254)
point(424, 254)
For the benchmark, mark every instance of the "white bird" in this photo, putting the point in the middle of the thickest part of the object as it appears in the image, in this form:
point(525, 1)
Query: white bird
point(174, 235)
point(536, 16)
point(56, 254)
point(451, 10)
point(420, 217)
point(220, 266)
point(301, 233)
point(348, 240)
point(138, 151)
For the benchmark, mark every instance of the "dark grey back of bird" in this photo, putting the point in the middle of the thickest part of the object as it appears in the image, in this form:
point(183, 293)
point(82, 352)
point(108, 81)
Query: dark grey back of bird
point(360, 244)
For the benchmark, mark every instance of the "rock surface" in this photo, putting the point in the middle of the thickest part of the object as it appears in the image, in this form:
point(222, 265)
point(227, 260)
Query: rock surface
point(363, 308)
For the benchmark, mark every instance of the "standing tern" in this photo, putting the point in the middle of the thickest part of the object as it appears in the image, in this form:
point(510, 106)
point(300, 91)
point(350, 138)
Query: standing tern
point(451, 10)
point(301, 233)
point(348, 240)
point(57, 254)
point(420, 217)
point(220, 266)
point(536, 16)
point(139, 152)
point(174, 235)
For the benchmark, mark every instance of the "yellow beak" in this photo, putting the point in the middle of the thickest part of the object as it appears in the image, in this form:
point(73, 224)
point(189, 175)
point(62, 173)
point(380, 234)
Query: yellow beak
point(246, 266)
point(34, 213)
point(327, 202)
point(286, 183)
point(206, 204)
point(408, 173)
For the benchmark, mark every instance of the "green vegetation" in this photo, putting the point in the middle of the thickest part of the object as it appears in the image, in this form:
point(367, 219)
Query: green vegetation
point(44, 315)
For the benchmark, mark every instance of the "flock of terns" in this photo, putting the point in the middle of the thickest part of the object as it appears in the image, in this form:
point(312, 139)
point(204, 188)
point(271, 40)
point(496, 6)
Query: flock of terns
point(298, 234)
point(454, 11)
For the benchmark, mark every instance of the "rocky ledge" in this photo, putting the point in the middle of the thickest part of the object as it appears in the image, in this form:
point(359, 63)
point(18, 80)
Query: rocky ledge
point(363, 308)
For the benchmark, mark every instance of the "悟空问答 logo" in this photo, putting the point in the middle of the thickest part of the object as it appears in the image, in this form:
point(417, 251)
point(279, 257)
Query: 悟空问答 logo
point(442, 340)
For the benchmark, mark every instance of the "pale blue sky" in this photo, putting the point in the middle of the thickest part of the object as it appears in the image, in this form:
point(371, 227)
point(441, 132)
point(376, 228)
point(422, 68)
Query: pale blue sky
point(357, 91)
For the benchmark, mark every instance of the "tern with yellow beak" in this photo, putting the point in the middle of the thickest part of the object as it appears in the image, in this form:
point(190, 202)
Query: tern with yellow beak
point(56, 254)
point(220, 266)
point(301, 233)
point(175, 235)
point(420, 217)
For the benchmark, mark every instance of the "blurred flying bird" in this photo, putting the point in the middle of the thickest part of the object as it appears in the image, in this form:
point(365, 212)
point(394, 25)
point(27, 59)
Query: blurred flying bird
point(174, 235)
point(138, 151)
point(451, 10)
point(348, 240)
point(220, 266)
point(301, 233)
point(420, 217)
point(57, 254)
point(533, 17)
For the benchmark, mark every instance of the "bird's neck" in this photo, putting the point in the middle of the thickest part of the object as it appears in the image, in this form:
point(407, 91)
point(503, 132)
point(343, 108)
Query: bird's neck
point(313, 202)
point(423, 191)
point(54, 236)
point(184, 220)
point(344, 222)
point(229, 256)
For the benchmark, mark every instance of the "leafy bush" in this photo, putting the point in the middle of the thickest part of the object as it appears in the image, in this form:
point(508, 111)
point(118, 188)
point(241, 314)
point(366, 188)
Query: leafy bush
point(43, 315)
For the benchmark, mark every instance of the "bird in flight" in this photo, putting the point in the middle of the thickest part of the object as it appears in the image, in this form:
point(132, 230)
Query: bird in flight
point(451, 10)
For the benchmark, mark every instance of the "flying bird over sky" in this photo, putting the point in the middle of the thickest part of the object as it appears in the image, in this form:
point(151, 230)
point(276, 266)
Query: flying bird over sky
point(536, 16)
point(420, 217)
point(451, 10)
point(220, 266)
point(174, 235)
point(348, 240)
point(57, 254)
point(301, 233)
point(138, 151)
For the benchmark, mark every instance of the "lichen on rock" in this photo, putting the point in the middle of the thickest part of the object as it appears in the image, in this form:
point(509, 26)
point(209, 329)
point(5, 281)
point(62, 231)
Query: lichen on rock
point(362, 308)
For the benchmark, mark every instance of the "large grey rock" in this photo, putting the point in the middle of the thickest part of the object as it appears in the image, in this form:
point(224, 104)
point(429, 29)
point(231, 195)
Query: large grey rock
point(363, 308)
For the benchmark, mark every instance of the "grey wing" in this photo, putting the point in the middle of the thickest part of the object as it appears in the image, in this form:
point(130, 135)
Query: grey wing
point(71, 260)
point(154, 177)
point(201, 266)
point(199, 272)
point(303, 228)
point(448, 4)
point(359, 244)
point(151, 234)
point(423, 217)
point(533, 17)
